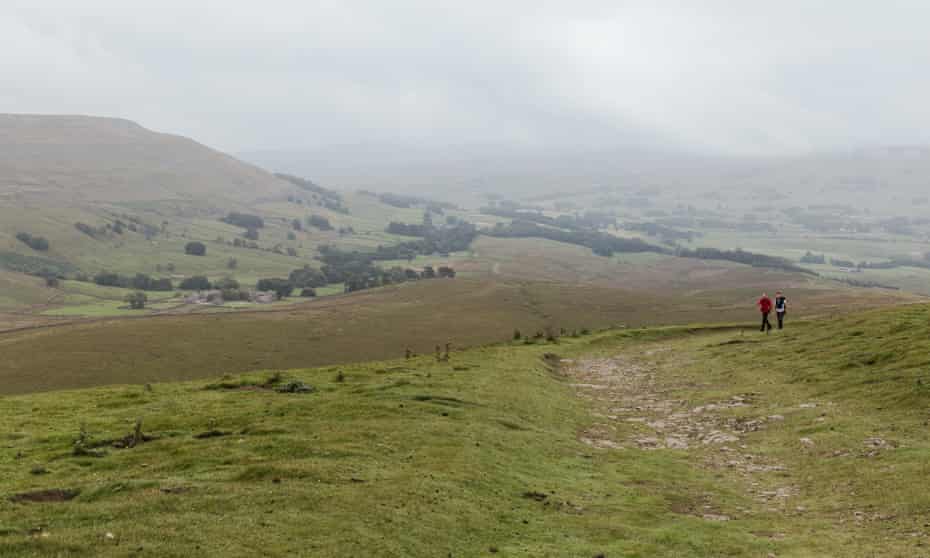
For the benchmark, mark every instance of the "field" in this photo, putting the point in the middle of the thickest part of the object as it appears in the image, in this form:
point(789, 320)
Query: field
point(669, 441)
point(369, 325)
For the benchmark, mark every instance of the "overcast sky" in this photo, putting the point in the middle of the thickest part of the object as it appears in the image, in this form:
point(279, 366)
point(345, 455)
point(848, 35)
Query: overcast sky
point(736, 77)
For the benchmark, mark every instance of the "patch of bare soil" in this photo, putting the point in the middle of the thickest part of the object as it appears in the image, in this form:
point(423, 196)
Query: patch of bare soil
point(635, 409)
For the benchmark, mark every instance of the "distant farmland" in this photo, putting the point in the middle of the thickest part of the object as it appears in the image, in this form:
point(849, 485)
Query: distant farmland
point(369, 325)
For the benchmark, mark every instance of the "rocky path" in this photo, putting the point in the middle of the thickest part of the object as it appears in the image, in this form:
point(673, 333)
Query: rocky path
point(636, 409)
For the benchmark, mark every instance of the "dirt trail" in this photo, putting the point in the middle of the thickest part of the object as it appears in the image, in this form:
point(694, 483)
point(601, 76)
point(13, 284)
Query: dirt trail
point(635, 408)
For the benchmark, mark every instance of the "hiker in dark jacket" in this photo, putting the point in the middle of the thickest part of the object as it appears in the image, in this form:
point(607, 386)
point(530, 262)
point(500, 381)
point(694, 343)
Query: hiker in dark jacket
point(765, 306)
point(781, 308)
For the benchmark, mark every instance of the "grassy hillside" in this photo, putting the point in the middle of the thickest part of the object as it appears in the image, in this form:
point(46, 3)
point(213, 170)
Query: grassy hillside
point(114, 160)
point(662, 442)
point(368, 325)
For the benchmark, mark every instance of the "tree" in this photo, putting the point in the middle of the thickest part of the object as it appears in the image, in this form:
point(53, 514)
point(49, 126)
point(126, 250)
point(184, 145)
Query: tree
point(446, 271)
point(307, 277)
point(161, 285)
point(244, 220)
point(297, 225)
point(232, 263)
point(282, 288)
point(109, 279)
point(195, 249)
point(141, 282)
point(137, 300)
point(226, 283)
point(251, 234)
point(319, 222)
point(196, 283)
point(308, 292)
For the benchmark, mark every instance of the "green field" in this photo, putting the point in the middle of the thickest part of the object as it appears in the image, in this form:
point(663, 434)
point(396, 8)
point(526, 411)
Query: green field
point(661, 442)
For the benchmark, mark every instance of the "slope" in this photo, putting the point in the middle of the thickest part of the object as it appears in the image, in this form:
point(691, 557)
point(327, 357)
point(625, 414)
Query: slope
point(368, 325)
point(82, 158)
point(507, 450)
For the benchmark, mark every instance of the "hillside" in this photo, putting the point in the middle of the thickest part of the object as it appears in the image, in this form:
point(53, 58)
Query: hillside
point(68, 159)
point(658, 442)
point(105, 195)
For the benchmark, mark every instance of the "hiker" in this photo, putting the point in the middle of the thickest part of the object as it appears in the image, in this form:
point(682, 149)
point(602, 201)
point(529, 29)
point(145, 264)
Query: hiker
point(765, 306)
point(781, 308)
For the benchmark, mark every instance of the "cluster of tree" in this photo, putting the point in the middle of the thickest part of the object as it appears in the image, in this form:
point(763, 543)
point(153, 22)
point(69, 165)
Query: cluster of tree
point(407, 201)
point(196, 283)
point(330, 199)
point(743, 257)
point(588, 221)
point(376, 276)
point(896, 262)
point(140, 281)
point(118, 227)
point(811, 258)
point(601, 244)
point(244, 220)
point(35, 265)
point(319, 222)
point(282, 288)
point(195, 248)
point(835, 262)
point(668, 234)
point(136, 225)
point(89, 230)
point(240, 243)
point(357, 271)
point(308, 185)
point(38, 243)
point(404, 229)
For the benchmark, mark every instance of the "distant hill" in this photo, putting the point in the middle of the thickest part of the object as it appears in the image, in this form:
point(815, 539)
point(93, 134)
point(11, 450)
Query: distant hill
point(84, 158)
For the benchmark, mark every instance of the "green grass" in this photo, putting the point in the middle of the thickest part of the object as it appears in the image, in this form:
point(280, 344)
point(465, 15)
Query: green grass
point(481, 456)
point(399, 459)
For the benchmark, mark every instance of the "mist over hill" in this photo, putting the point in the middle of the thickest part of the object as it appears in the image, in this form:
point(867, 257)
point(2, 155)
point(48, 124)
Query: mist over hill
point(890, 176)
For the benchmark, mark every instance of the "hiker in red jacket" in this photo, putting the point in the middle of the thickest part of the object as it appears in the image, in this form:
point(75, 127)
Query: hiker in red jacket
point(765, 306)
